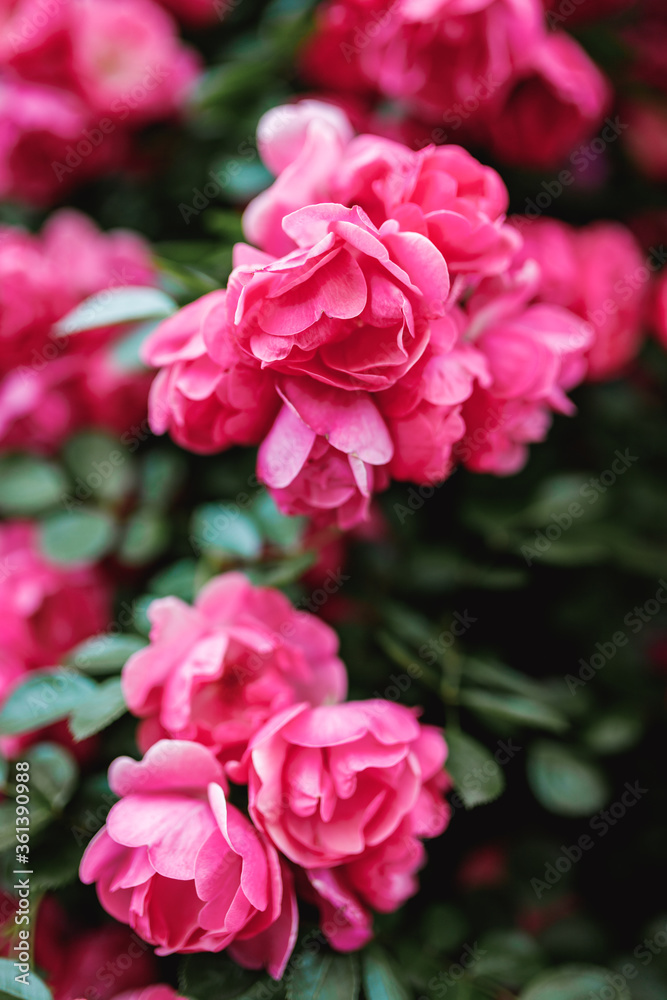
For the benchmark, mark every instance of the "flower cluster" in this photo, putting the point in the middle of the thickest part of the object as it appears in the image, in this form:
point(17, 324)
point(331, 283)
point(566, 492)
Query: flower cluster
point(387, 323)
point(53, 385)
point(243, 688)
point(47, 609)
point(490, 71)
point(76, 79)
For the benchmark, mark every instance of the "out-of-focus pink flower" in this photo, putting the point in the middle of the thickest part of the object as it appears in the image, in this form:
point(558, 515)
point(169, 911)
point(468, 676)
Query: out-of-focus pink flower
point(206, 406)
point(157, 991)
point(125, 962)
point(599, 274)
point(556, 101)
point(46, 608)
point(330, 784)
point(199, 13)
point(216, 672)
point(50, 385)
point(185, 868)
point(646, 137)
point(76, 78)
point(534, 354)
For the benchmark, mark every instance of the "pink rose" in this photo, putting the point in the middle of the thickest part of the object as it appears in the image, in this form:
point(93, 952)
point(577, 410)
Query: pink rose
point(186, 869)
point(444, 193)
point(301, 144)
point(558, 100)
point(38, 125)
point(51, 385)
point(350, 307)
point(326, 453)
point(206, 406)
point(158, 991)
point(216, 672)
point(47, 608)
point(330, 784)
point(597, 272)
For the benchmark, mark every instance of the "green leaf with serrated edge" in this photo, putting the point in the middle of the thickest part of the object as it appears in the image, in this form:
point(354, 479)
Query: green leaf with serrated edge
point(77, 536)
point(379, 979)
point(105, 654)
point(563, 781)
point(99, 710)
point(44, 697)
point(514, 708)
point(323, 975)
point(477, 776)
point(573, 982)
point(33, 989)
point(130, 304)
point(53, 772)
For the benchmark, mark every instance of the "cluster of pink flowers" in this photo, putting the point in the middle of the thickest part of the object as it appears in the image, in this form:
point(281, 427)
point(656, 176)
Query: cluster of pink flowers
point(77, 78)
point(388, 322)
point(53, 385)
point(47, 609)
point(244, 688)
point(488, 70)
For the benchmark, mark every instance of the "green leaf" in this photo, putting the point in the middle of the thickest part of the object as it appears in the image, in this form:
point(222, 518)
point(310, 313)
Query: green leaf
point(98, 710)
point(614, 733)
point(126, 351)
point(380, 980)
point(112, 306)
point(35, 990)
point(177, 580)
point(223, 529)
point(146, 535)
point(514, 708)
point(163, 473)
point(492, 674)
point(53, 772)
point(323, 975)
point(44, 697)
point(29, 485)
point(477, 776)
point(574, 982)
point(101, 467)
point(563, 781)
point(277, 528)
point(510, 957)
point(105, 654)
point(78, 536)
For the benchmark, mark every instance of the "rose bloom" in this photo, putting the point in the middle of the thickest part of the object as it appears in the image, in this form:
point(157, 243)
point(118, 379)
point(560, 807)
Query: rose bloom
point(216, 672)
point(47, 608)
point(185, 869)
point(534, 353)
point(597, 272)
point(350, 307)
point(444, 193)
point(75, 82)
point(49, 385)
point(556, 102)
point(206, 406)
point(330, 784)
